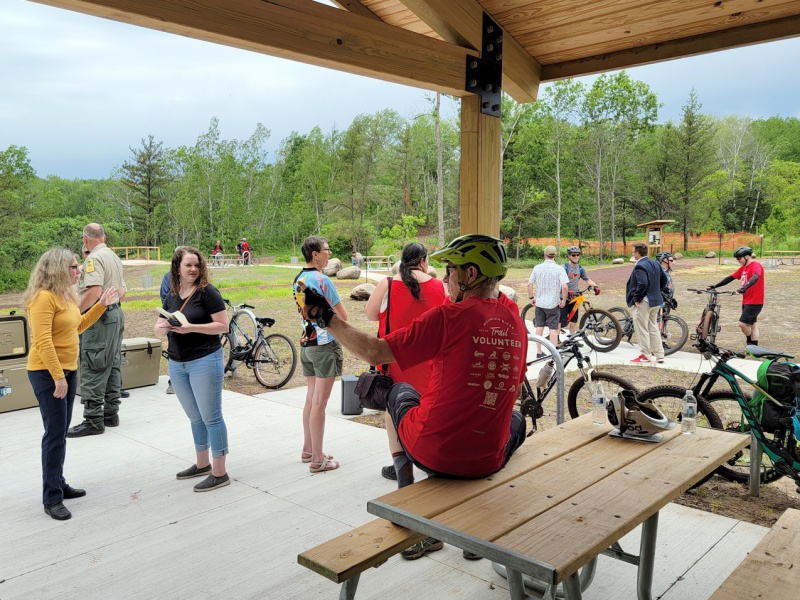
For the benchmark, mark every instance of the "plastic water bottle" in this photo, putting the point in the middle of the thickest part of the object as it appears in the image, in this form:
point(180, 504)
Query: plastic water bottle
point(689, 413)
point(544, 374)
point(5, 389)
point(599, 404)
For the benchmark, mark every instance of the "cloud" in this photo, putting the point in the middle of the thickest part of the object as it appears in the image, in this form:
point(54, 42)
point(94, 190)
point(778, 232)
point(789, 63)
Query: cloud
point(78, 91)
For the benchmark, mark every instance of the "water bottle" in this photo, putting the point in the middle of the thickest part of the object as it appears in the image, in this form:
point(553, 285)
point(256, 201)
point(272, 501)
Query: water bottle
point(5, 388)
point(599, 404)
point(544, 374)
point(689, 413)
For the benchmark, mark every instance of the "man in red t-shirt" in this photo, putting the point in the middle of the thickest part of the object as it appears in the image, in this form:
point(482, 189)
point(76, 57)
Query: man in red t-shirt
point(751, 285)
point(464, 425)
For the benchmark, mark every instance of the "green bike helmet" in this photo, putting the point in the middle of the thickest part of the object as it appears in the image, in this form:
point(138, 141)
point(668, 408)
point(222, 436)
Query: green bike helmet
point(485, 251)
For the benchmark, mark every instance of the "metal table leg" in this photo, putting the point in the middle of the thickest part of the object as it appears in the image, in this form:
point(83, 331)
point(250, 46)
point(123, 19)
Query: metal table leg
point(516, 588)
point(647, 555)
point(572, 587)
point(348, 589)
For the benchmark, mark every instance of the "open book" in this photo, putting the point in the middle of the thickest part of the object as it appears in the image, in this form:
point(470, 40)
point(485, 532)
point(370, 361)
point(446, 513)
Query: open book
point(176, 318)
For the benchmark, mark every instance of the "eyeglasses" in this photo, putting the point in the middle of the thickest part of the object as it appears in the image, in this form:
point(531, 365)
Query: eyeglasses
point(574, 254)
point(671, 260)
point(325, 250)
point(74, 267)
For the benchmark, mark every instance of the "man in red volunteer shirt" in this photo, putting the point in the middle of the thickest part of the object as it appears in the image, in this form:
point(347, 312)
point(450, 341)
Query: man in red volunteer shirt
point(751, 285)
point(464, 426)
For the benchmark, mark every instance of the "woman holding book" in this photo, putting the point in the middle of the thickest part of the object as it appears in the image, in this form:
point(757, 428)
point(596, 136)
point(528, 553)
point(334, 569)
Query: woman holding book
point(52, 306)
point(195, 362)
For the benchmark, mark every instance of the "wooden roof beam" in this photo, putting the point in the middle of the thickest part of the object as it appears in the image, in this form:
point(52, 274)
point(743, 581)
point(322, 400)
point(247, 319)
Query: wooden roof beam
point(300, 30)
point(745, 35)
point(354, 6)
point(460, 22)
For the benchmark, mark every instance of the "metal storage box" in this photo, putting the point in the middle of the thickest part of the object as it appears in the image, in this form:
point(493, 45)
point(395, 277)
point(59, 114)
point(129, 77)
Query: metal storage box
point(14, 337)
point(21, 395)
point(351, 405)
point(141, 358)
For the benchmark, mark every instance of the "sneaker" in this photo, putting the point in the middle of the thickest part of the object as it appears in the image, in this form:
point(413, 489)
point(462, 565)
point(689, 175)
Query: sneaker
point(71, 492)
point(193, 471)
point(540, 355)
point(124, 394)
point(470, 555)
point(85, 428)
point(640, 360)
point(58, 511)
point(111, 420)
point(660, 359)
point(389, 473)
point(422, 548)
point(212, 483)
point(170, 389)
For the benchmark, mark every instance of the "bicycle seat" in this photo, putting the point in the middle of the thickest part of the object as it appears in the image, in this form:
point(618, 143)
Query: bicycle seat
point(760, 352)
point(265, 321)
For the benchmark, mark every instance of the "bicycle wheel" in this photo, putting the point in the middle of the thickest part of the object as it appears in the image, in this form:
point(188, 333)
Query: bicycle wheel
point(625, 321)
point(708, 327)
point(275, 361)
point(669, 398)
point(604, 332)
point(528, 315)
point(738, 467)
point(244, 327)
point(579, 398)
point(673, 333)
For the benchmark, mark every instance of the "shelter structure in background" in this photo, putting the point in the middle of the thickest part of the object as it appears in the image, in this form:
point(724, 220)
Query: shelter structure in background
point(472, 49)
point(655, 234)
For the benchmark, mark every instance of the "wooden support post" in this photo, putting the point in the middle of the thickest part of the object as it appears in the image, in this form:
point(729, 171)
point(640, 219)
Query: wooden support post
point(480, 169)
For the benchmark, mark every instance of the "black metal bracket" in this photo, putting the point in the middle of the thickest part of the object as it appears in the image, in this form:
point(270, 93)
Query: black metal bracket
point(485, 74)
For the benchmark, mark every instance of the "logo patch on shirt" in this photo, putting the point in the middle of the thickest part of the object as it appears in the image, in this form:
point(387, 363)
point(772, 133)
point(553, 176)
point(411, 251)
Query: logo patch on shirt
point(88, 266)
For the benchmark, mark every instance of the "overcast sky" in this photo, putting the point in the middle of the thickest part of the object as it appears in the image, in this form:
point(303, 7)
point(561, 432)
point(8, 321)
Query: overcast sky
point(78, 91)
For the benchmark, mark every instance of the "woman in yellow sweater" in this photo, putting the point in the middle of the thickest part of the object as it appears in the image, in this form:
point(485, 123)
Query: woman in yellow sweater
point(52, 306)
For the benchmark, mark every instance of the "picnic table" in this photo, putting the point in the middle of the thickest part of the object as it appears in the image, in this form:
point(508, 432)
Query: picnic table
point(793, 256)
point(379, 263)
point(228, 260)
point(550, 520)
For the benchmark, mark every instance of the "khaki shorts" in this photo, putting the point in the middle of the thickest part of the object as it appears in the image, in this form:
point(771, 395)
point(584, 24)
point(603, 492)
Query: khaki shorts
point(322, 361)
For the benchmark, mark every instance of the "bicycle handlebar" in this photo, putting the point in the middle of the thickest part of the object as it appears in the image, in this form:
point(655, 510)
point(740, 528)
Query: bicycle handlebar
point(712, 291)
point(238, 306)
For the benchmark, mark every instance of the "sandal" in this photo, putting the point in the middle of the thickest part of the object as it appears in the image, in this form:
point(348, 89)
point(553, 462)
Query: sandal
point(306, 457)
point(325, 465)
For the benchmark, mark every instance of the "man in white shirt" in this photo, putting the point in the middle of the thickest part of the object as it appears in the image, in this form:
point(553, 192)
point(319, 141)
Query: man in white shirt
point(550, 281)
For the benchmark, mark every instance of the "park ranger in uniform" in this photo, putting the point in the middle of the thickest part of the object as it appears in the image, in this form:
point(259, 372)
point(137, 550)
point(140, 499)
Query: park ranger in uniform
point(101, 380)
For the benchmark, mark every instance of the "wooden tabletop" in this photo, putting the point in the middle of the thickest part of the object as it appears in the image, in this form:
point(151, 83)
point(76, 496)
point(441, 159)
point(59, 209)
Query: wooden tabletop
point(564, 509)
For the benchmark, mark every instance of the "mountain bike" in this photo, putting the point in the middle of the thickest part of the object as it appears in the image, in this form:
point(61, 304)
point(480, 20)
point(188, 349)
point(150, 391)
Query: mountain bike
point(708, 327)
point(579, 398)
point(733, 409)
point(674, 331)
point(603, 331)
point(273, 358)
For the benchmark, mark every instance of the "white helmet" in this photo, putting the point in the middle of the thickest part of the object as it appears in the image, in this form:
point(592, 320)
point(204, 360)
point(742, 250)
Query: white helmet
point(634, 418)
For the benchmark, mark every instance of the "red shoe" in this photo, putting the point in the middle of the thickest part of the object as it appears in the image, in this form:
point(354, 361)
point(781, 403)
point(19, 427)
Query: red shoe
point(640, 360)
point(660, 359)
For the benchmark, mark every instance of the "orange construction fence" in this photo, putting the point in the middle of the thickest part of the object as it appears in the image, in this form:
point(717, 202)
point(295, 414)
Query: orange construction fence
point(671, 242)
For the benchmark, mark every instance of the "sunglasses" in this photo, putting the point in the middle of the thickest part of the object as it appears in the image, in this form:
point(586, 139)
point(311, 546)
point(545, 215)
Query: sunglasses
point(573, 254)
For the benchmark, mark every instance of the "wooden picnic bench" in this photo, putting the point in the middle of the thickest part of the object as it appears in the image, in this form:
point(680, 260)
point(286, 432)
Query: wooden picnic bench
point(568, 494)
point(772, 569)
point(226, 260)
point(378, 262)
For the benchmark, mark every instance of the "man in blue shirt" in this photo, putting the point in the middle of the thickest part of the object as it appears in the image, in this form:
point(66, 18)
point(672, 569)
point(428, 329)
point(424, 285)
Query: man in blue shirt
point(643, 294)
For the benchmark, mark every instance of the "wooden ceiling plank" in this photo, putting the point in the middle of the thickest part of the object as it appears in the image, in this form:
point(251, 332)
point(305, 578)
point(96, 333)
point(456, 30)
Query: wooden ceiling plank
point(356, 7)
point(300, 30)
point(731, 38)
point(661, 20)
point(461, 22)
point(581, 46)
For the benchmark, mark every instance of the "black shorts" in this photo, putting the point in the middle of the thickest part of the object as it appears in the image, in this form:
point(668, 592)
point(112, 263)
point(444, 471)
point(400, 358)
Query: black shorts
point(750, 313)
point(547, 317)
point(565, 313)
point(403, 397)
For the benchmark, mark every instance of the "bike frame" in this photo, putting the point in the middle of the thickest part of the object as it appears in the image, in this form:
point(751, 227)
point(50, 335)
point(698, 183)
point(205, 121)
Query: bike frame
point(722, 369)
point(577, 302)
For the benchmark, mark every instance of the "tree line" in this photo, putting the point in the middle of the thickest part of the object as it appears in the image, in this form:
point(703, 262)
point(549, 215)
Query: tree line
point(584, 162)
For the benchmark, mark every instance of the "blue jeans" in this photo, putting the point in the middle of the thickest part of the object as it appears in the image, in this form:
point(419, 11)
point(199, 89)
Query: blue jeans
point(56, 416)
point(198, 385)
